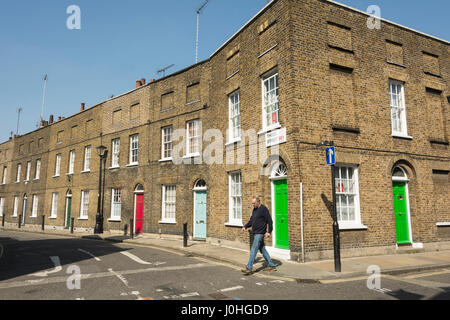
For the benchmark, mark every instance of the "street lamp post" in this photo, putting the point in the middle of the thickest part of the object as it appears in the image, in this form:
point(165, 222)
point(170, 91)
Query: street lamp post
point(336, 235)
point(102, 152)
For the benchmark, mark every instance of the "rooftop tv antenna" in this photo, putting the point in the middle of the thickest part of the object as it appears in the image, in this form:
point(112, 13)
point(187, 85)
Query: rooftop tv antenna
point(43, 97)
point(199, 10)
point(18, 119)
point(163, 70)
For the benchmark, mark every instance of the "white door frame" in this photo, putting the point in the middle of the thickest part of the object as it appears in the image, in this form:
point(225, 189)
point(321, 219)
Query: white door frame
point(195, 196)
point(273, 251)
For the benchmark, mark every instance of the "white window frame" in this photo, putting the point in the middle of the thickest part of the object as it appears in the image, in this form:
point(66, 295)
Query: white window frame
point(27, 177)
point(87, 159)
point(234, 104)
point(2, 206)
point(37, 174)
point(116, 206)
point(84, 207)
point(165, 202)
point(115, 157)
point(134, 150)
point(398, 108)
point(71, 162)
point(19, 169)
point(340, 185)
point(195, 138)
point(265, 104)
point(58, 165)
point(35, 206)
point(5, 172)
point(16, 206)
point(54, 209)
point(166, 143)
point(232, 220)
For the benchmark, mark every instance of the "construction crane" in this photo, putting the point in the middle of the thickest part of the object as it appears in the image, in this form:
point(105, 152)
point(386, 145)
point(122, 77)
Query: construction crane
point(43, 97)
point(163, 70)
point(18, 119)
point(199, 10)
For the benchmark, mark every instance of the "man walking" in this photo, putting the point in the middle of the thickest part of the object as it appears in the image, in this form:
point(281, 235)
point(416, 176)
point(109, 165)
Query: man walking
point(258, 222)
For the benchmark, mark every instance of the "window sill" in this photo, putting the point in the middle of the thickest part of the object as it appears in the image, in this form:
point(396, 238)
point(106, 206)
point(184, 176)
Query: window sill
point(234, 224)
point(86, 171)
point(112, 168)
point(167, 222)
point(267, 129)
point(69, 174)
point(233, 142)
point(165, 160)
point(37, 179)
point(352, 226)
point(130, 165)
point(55, 176)
point(192, 102)
point(114, 220)
point(443, 224)
point(194, 155)
point(83, 218)
point(52, 217)
point(401, 136)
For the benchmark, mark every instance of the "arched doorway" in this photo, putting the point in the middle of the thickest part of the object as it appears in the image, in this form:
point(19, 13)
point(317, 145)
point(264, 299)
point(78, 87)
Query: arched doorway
point(401, 206)
point(138, 208)
point(200, 222)
point(280, 217)
point(68, 209)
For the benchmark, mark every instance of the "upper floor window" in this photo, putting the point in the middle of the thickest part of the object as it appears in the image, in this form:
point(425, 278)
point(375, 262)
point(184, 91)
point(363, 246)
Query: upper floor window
point(71, 161)
point(38, 170)
point(134, 148)
point(234, 116)
point(115, 153)
point(193, 142)
point(5, 171)
point(270, 101)
point(19, 168)
point(398, 112)
point(166, 152)
point(27, 178)
point(87, 158)
point(58, 165)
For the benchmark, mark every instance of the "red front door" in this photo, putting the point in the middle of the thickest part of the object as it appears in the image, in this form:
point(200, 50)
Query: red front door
point(139, 213)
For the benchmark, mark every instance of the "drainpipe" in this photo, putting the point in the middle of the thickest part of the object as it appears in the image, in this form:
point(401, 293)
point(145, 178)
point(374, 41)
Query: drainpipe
point(301, 221)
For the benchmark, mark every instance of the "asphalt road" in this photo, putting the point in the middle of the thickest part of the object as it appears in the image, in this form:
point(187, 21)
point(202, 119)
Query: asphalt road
point(43, 267)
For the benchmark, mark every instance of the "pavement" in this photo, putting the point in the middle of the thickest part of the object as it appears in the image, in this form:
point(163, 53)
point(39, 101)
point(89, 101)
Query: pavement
point(309, 272)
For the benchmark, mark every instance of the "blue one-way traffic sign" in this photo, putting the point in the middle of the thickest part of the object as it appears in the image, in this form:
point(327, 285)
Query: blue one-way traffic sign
point(331, 156)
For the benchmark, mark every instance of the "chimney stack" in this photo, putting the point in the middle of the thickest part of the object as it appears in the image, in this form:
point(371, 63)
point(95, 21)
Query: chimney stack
point(50, 120)
point(59, 118)
point(152, 80)
point(143, 81)
point(82, 106)
point(138, 83)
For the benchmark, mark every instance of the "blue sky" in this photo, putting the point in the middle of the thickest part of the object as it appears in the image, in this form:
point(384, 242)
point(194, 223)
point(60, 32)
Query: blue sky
point(122, 41)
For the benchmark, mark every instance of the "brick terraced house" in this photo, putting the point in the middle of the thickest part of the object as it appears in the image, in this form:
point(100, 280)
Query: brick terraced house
point(298, 73)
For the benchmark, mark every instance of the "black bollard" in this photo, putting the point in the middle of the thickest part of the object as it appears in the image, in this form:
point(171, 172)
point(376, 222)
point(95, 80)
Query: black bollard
point(185, 236)
point(43, 222)
point(72, 221)
point(131, 228)
point(20, 220)
point(3, 220)
point(125, 230)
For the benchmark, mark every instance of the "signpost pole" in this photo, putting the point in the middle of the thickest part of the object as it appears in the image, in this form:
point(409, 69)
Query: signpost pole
point(336, 236)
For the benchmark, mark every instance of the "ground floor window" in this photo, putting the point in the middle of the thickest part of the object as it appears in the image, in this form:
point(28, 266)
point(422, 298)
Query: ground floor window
point(54, 205)
point(35, 206)
point(347, 194)
point(235, 201)
point(168, 204)
point(116, 205)
point(84, 211)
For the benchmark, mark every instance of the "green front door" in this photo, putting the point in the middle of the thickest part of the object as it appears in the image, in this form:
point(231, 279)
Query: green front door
point(69, 208)
point(401, 212)
point(281, 214)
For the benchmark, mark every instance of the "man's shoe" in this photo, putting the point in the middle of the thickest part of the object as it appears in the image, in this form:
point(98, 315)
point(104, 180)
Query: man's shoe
point(269, 268)
point(247, 271)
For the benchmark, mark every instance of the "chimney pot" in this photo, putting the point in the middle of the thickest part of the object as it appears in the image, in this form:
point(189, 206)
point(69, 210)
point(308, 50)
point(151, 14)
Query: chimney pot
point(59, 118)
point(142, 81)
point(51, 119)
point(138, 83)
point(82, 106)
point(152, 80)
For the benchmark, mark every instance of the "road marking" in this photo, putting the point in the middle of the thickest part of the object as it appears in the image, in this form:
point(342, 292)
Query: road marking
point(51, 280)
point(184, 295)
point(121, 278)
point(261, 283)
point(90, 254)
point(134, 258)
point(276, 281)
point(57, 268)
point(231, 289)
point(345, 280)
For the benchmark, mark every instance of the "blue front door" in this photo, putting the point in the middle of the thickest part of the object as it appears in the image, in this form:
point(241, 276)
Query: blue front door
point(200, 215)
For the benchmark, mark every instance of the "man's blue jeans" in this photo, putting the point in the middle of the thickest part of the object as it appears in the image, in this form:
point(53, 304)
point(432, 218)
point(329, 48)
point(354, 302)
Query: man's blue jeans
point(258, 243)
